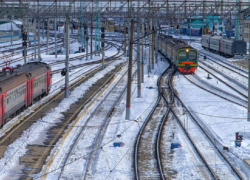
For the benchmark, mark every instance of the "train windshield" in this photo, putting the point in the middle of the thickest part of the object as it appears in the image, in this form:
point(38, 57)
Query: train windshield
point(192, 55)
point(182, 55)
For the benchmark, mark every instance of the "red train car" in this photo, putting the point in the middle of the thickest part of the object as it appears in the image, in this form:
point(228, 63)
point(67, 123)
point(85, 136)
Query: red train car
point(20, 86)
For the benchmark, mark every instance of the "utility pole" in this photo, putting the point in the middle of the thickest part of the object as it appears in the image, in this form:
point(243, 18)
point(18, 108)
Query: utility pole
point(138, 60)
point(11, 31)
point(128, 37)
point(55, 23)
point(87, 39)
point(47, 38)
point(128, 102)
point(102, 44)
point(91, 35)
point(153, 41)
point(149, 45)
point(248, 114)
point(43, 27)
point(39, 52)
point(125, 28)
point(67, 58)
point(142, 52)
point(243, 27)
point(230, 26)
point(35, 38)
point(157, 46)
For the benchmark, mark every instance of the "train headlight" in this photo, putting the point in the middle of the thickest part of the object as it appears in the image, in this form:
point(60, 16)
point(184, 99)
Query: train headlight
point(187, 50)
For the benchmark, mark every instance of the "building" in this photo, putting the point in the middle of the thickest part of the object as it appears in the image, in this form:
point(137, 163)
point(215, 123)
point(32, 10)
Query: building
point(246, 30)
point(209, 22)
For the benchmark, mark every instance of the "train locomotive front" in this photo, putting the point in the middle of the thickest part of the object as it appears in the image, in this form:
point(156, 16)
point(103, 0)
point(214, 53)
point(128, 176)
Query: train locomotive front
point(183, 56)
point(187, 59)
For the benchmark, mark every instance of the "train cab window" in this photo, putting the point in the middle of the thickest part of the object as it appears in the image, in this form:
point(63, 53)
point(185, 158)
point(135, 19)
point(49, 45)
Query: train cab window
point(192, 55)
point(182, 55)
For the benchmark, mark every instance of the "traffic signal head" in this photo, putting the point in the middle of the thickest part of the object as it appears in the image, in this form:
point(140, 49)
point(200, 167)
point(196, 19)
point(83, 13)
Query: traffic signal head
point(64, 71)
point(241, 137)
point(24, 36)
point(24, 44)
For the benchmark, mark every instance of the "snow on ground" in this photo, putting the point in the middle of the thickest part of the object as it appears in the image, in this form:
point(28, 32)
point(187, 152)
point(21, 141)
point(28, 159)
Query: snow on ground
point(35, 135)
point(222, 118)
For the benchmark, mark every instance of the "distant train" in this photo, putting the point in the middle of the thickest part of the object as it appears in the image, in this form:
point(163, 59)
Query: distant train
point(224, 46)
point(20, 86)
point(181, 55)
point(194, 31)
point(120, 28)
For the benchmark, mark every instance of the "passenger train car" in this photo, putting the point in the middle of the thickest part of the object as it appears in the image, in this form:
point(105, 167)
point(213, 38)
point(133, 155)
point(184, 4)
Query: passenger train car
point(183, 56)
point(224, 46)
point(20, 86)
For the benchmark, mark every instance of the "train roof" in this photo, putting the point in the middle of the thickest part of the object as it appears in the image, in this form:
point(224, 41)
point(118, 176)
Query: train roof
point(215, 37)
point(20, 74)
point(230, 40)
point(176, 43)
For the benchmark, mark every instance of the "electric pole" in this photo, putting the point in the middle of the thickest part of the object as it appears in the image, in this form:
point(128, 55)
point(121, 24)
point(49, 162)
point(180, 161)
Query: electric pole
point(138, 60)
point(128, 102)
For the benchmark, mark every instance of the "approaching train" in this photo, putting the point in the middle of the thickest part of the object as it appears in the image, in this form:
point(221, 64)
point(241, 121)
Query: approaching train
point(20, 86)
point(224, 46)
point(183, 56)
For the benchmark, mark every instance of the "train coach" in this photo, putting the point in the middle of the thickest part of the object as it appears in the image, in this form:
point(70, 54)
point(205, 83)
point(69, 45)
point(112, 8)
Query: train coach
point(20, 86)
point(183, 56)
point(224, 46)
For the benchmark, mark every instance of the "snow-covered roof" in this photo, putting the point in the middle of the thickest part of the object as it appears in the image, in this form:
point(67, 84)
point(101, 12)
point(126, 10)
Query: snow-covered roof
point(7, 26)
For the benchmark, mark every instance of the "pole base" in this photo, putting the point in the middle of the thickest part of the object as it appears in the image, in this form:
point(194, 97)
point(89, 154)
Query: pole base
point(127, 117)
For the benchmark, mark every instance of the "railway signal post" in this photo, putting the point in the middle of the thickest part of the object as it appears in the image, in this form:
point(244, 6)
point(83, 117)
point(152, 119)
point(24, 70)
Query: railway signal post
point(39, 52)
point(67, 58)
point(24, 35)
point(102, 44)
point(47, 38)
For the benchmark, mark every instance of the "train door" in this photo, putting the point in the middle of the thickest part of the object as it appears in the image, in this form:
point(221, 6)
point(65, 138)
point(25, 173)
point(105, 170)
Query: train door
point(48, 81)
point(31, 90)
point(28, 93)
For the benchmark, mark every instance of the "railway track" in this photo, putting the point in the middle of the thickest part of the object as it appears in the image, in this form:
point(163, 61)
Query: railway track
point(229, 81)
point(20, 52)
point(217, 147)
point(224, 64)
point(147, 158)
point(2, 64)
point(31, 164)
point(239, 63)
point(100, 117)
point(216, 91)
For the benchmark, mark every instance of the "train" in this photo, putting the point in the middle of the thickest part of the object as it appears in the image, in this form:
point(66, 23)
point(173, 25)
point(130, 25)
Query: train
point(194, 31)
point(183, 56)
point(224, 46)
point(20, 86)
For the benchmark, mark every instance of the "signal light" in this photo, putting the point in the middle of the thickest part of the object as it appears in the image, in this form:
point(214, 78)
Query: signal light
point(24, 36)
point(24, 44)
point(64, 71)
